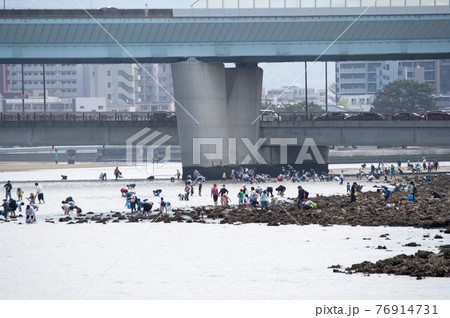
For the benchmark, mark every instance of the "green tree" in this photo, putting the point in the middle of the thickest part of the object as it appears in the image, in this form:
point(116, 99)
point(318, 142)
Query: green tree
point(404, 95)
point(343, 102)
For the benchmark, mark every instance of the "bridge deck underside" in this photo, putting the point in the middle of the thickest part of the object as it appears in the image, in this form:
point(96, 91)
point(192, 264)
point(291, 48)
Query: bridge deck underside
point(224, 39)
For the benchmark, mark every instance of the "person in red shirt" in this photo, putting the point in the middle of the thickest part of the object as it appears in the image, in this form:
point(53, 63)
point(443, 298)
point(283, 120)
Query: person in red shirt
point(215, 193)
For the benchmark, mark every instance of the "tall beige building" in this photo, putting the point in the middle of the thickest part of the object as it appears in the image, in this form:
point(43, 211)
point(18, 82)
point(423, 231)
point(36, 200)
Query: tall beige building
point(154, 88)
point(115, 82)
point(131, 87)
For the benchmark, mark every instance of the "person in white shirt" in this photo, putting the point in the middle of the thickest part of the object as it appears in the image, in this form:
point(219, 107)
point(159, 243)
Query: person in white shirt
point(66, 207)
point(39, 193)
point(31, 217)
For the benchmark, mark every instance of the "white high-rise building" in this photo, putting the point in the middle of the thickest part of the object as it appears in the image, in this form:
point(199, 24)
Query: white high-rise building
point(115, 82)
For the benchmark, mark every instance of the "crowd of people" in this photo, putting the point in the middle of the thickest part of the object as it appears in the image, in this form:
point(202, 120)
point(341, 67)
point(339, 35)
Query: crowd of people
point(390, 171)
point(287, 173)
point(143, 206)
point(254, 195)
point(11, 205)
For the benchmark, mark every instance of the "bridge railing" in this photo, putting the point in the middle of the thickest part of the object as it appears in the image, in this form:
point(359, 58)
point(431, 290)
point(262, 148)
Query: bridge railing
point(91, 116)
point(315, 116)
point(274, 4)
point(171, 116)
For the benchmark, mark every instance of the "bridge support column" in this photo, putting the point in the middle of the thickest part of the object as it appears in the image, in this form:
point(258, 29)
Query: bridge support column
point(217, 108)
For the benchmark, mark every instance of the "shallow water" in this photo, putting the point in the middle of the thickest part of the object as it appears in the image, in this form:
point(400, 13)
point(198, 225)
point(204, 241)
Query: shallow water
point(198, 261)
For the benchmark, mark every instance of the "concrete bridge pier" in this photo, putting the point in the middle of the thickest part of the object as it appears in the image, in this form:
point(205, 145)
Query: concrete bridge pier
point(217, 113)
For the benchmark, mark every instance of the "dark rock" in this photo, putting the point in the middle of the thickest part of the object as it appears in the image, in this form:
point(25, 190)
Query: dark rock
point(412, 244)
point(422, 264)
point(424, 254)
point(133, 219)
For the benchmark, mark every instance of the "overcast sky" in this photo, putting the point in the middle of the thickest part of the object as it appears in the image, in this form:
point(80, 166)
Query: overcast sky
point(275, 74)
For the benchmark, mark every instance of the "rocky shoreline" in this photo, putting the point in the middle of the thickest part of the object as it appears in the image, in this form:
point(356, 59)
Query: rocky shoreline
point(369, 210)
point(421, 264)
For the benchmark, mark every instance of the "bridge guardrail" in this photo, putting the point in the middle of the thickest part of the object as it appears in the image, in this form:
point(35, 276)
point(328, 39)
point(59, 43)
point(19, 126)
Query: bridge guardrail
point(91, 116)
point(363, 116)
point(171, 116)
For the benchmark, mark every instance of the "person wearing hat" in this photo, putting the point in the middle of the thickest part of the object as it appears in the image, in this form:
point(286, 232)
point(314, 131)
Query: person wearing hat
point(241, 196)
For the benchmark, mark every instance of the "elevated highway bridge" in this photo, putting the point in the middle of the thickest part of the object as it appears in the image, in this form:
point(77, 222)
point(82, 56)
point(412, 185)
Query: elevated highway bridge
point(113, 129)
point(134, 129)
point(242, 36)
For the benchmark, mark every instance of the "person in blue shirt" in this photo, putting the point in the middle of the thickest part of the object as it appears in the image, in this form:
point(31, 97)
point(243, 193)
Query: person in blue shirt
point(387, 194)
point(264, 200)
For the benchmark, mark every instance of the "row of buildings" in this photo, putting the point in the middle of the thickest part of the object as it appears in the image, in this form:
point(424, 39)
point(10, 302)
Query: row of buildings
point(296, 94)
point(95, 87)
point(149, 87)
point(357, 82)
